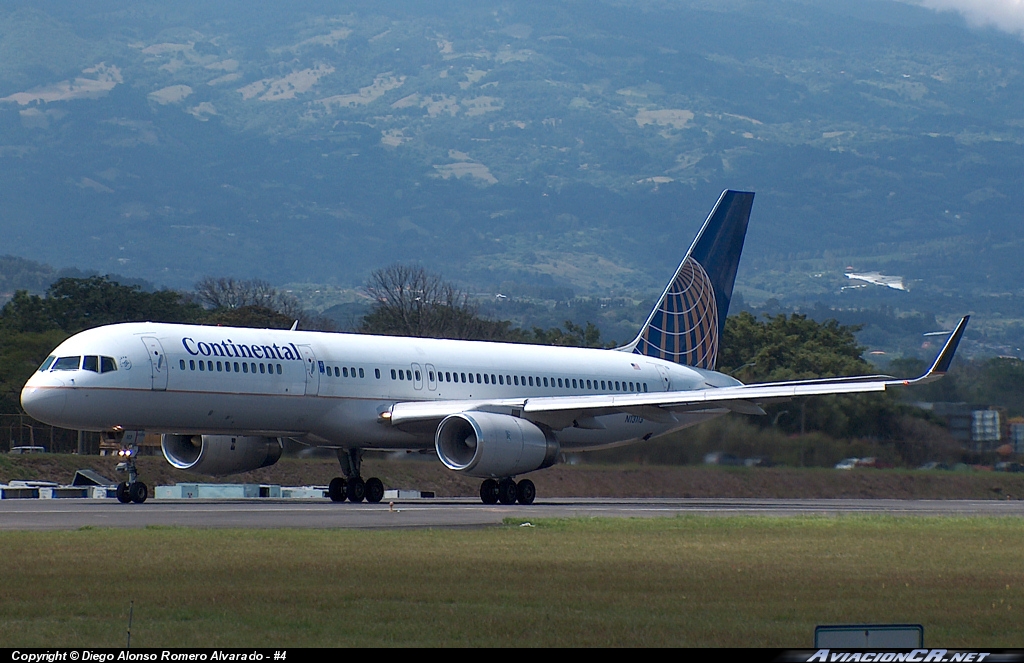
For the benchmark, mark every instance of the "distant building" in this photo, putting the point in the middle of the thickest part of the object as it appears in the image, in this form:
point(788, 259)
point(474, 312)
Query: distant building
point(977, 428)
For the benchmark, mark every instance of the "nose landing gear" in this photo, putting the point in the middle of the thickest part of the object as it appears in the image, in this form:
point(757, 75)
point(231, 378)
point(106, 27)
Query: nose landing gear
point(132, 490)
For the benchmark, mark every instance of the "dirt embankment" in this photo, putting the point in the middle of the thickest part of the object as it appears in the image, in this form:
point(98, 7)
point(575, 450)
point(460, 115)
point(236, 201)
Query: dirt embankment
point(423, 473)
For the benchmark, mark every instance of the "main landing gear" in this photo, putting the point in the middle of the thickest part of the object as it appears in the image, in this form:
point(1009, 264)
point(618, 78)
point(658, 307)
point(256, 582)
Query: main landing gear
point(507, 491)
point(132, 490)
point(352, 487)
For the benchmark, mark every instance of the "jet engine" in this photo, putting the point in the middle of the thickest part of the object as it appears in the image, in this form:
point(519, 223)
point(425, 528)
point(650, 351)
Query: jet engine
point(484, 444)
point(218, 455)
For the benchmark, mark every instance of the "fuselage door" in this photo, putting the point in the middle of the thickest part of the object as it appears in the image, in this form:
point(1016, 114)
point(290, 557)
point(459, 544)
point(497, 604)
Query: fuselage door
point(417, 376)
point(431, 377)
point(157, 362)
point(312, 370)
point(666, 380)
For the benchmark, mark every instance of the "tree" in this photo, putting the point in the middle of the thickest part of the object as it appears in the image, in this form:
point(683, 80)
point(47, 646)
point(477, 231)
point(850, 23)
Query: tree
point(31, 326)
point(795, 347)
point(254, 303)
point(410, 301)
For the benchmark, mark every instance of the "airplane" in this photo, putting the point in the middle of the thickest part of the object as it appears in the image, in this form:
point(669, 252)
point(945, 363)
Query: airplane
point(223, 399)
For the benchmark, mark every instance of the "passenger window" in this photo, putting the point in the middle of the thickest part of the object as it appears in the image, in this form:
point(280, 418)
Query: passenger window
point(501, 379)
point(559, 382)
point(352, 371)
point(508, 379)
point(360, 372)
point(262, 368)
point(220, 367)
point(478, 378)
point(344, 372)
point(401, 375)
point(545, 382)
point(471, 378)
point(236, 367)
point(531, 380)
point(181, 363)
point(645, 387)
point(202, 365)
point(67, 363)
point(492, 379)
point(376, 372)
point(279, 369)
point(515, 380)
point(487, 380)
point(418, 378)
point(46, 364)
point(393, 376)
point(191, 364)
point(574, 383)
point(245, 367)
point(464, 378)
point(91, 363)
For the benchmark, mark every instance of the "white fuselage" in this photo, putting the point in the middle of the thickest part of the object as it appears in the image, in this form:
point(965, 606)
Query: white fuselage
point(328, 389)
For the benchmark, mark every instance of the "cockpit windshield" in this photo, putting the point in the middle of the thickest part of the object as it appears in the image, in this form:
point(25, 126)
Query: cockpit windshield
point(94, 363)
point(67, 363)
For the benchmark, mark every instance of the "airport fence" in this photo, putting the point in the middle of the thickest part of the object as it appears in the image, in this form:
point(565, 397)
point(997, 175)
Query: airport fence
point(20, 432)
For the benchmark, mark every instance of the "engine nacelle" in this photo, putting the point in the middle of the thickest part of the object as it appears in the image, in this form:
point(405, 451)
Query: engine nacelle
point(218, 455)
point(483, 444)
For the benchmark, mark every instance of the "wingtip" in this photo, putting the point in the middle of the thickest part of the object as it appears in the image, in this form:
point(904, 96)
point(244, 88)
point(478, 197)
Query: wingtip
point(942, 362)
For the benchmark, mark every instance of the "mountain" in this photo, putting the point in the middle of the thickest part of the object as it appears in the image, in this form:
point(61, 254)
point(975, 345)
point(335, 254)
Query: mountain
point(563, 144)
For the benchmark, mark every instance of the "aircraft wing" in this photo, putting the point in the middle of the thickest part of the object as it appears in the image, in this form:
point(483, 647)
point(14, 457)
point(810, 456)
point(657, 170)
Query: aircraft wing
point(563, 411)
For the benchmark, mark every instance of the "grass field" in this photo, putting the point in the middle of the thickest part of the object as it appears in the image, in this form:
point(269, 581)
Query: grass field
point(695, 581)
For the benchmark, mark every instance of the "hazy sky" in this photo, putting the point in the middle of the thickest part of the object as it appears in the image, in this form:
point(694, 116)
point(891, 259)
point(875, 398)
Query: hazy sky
point(1006, 15)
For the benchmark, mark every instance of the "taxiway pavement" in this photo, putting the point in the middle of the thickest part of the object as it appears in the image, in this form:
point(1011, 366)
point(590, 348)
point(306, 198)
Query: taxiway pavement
point(67, 514)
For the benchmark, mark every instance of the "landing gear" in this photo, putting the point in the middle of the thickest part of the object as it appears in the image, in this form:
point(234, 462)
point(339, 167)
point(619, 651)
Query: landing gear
point(374, 490)
point(507, 491)
point(526, 492)
point(353, 488)
point(489, 491)
point(356, 490)
point(337, 490)
point(132, 490)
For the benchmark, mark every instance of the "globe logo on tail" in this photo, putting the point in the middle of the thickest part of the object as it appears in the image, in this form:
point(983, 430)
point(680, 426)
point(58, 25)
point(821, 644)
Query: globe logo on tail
point(684, 327)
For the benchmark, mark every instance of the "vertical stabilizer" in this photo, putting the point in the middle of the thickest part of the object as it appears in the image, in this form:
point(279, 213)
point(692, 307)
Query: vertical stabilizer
point(687, 323)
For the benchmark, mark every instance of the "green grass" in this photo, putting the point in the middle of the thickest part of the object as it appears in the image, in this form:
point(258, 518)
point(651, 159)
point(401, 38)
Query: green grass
point(685, 581)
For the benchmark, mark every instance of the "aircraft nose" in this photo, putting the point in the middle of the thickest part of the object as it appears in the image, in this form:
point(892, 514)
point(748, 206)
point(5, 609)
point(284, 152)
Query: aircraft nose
point(45, 404)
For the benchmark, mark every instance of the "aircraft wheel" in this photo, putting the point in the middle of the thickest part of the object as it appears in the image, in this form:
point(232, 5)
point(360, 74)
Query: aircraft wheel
point(526, 492)
point(374, 490)
point(336, 490)
point(507, 491)
point(122, 493)
point(489, 491)
point(355, 489)
point(138, 492)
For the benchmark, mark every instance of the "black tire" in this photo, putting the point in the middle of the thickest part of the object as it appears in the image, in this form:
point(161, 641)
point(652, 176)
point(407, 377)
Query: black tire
point(122, 493)
point(138, 492)
point(374, 490)
point(507, 491)
point(355, 489)
point(526, 492)
point(336, 490)
point(489, 491)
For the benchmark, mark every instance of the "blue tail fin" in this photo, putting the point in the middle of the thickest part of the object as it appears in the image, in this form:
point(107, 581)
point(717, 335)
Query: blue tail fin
point(686, 325)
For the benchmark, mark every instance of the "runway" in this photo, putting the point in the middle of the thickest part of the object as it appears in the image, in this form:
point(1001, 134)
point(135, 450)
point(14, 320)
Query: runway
point(70, 514)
